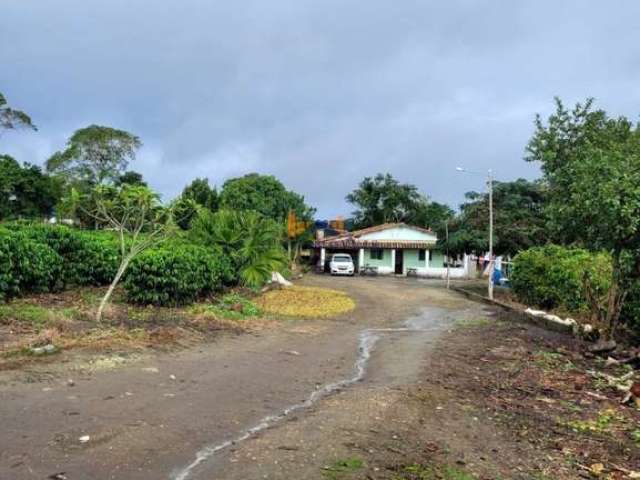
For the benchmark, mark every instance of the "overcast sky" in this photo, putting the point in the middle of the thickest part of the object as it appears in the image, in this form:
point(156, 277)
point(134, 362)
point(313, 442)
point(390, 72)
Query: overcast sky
point(319, 93)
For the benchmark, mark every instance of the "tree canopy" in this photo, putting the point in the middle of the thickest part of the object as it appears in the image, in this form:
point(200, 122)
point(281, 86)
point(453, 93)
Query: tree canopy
point(11, 119)
point(591, 163)
point(95, 155)
point(519, 219)
point(264, 194)
point(25, 191)
point(130, 178)
point(200, 192)
point(383, 199)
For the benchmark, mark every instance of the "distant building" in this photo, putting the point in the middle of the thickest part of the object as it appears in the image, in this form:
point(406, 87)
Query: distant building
point(390, 248)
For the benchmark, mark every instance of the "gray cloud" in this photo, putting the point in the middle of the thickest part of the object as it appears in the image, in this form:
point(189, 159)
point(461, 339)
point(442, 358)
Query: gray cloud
point(319, 94)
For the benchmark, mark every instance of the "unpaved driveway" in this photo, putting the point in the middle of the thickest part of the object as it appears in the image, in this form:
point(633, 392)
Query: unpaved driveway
point(171, 416)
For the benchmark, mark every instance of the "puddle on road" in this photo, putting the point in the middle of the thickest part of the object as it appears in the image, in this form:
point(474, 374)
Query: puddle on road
point(431, 320)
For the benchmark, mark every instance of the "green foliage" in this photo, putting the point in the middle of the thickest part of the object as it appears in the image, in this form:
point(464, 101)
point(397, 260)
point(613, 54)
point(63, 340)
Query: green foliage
point(11, 119)
point(382, 199)
point(27, 266)
point(90, 258)
point(25, 191)
point(185, 210)
point(130, 178)
point(232, 306)
point(32, 315)
point(264, 194)
point(174, 276)
point(519, 219)
point(200, 192)
point(554, 277)
point(249, 240)
point(343, 466)
point(95, 155)
point(591, 163)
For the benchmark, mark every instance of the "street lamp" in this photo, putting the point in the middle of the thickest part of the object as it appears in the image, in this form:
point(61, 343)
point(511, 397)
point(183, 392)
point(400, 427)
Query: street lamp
point(490, 187)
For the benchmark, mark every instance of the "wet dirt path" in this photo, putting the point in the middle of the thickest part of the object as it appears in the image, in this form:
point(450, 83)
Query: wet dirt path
point(175, 416)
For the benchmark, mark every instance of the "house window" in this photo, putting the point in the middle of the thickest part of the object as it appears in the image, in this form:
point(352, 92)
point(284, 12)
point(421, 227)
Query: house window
point(376, 253)
point(421, 254)
point(430, 255)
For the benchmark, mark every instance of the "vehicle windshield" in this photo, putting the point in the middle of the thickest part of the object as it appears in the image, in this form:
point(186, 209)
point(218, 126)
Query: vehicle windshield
point(342, 259)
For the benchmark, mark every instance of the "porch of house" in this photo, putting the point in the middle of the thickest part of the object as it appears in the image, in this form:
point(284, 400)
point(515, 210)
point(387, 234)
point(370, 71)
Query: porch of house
point(422, 262)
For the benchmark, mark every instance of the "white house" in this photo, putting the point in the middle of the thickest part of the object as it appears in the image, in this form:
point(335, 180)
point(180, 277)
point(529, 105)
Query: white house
point(392, 248)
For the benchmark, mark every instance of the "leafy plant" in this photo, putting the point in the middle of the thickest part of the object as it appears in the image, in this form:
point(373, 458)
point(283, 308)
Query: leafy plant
point(251, 241)
point(27, 266)
point(90, 258)
point(134, 212)
point(174, 276)
point(231, 306)
point(559, 277)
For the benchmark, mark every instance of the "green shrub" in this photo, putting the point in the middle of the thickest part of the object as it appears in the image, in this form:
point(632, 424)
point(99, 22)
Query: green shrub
point(553, 276)
point(631, 309)
point(27, 266)
point(90, 258)
point(174, 276)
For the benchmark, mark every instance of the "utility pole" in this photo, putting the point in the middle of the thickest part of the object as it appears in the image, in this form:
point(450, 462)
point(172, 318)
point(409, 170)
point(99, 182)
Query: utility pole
point(446, 229)
point(490, 185)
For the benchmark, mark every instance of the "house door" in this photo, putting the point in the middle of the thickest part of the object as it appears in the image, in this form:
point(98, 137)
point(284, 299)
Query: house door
point(399, 262)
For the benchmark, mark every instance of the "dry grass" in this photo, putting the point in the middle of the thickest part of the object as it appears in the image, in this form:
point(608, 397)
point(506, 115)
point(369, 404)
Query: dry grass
point(306, 302)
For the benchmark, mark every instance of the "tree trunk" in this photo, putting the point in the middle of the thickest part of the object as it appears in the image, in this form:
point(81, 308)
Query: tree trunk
point(114, 283)
point(615, 297)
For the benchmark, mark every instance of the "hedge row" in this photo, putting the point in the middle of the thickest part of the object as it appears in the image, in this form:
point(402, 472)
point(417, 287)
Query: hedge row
point(46, 258)
point(42, 258)
point(175, 275)
point(554, 277)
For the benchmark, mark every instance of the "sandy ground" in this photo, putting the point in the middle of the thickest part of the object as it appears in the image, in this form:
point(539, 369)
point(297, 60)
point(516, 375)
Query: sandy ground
point(149, 417)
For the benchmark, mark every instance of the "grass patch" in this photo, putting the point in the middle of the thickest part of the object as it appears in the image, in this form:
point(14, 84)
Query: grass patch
point(552, 361)
point(306, 302)
point(473, 322)
point(32, 315)
point(231, 306)
point(422, 472)
point(342, 466)
point(601, 424)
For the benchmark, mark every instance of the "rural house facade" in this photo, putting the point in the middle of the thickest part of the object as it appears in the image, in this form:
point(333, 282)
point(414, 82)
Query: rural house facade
point(390, 248)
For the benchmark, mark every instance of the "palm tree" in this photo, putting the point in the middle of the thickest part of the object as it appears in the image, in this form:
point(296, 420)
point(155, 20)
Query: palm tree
point(251, 241)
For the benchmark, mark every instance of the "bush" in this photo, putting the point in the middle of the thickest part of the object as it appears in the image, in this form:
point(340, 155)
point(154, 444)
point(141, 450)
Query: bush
point(90, 258)
point(27, 266)
point(553, 276)
point(631, 309)
point(174, 276)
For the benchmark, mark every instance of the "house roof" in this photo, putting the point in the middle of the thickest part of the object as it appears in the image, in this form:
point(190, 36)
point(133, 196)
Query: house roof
point(353, 240)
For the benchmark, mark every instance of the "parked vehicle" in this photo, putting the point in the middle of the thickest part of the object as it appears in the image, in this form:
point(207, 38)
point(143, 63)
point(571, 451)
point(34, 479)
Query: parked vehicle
point(341, 264)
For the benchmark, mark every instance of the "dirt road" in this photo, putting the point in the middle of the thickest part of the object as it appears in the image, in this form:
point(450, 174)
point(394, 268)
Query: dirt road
point(281, 403)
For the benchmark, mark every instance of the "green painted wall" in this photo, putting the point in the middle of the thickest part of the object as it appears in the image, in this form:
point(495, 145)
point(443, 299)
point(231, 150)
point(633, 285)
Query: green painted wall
point(411, 259)
point(437, 259)
point(385, 262)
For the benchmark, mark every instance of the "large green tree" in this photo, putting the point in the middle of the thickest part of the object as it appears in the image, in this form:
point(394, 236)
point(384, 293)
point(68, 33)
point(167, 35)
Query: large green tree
point(264, 194)
point(383, 199)
point(130, 178)
point(11, 119)
point(202, 193)
point(519, 219)
point(591, 163)
point(25, 192)
point(198, 194)
point(94, 155)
